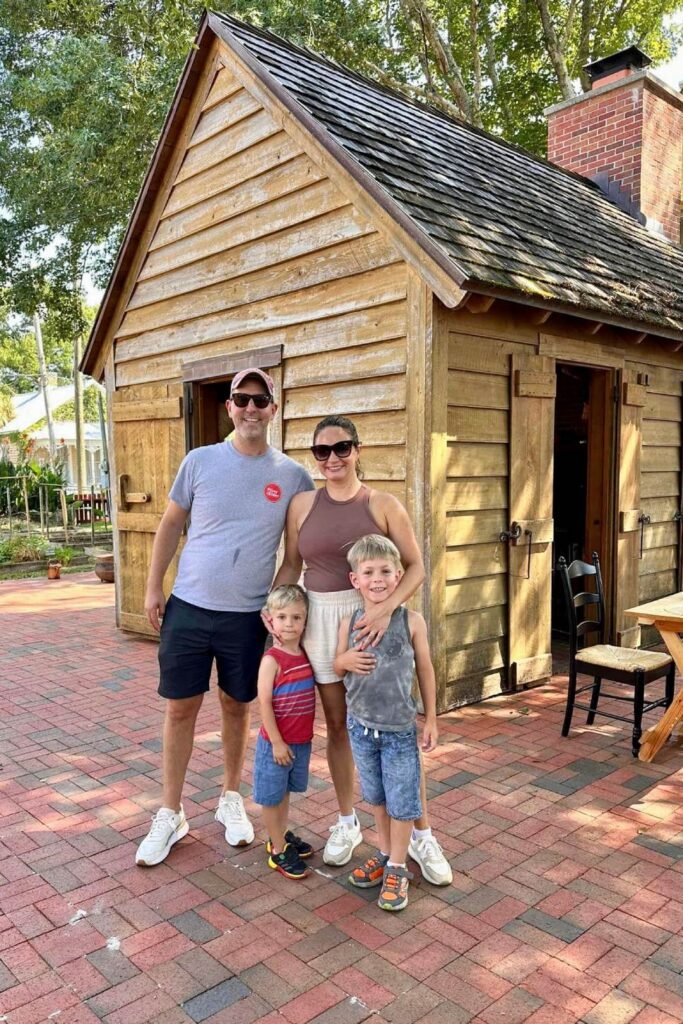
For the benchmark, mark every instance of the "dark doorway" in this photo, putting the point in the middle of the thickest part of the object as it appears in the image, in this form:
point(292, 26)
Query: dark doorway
point(583, 475)
point(207, 420)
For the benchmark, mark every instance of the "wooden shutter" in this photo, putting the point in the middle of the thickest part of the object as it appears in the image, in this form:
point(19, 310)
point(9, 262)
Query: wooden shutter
point(630, 444)
point(148, 448)
point(532, 424)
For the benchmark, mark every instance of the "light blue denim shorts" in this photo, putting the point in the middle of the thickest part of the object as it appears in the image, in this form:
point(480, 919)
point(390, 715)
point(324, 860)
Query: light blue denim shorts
point(389, 767)
point(271, 780)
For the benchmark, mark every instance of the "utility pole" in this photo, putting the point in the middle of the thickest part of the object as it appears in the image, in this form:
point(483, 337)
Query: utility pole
point(42, 367)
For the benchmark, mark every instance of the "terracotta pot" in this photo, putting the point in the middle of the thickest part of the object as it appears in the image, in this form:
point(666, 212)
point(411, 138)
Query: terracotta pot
point(104, 568)
point(53, 570)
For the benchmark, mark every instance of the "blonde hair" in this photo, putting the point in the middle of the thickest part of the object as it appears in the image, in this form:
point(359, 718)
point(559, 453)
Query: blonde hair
point(290, 593)
point(374, 545)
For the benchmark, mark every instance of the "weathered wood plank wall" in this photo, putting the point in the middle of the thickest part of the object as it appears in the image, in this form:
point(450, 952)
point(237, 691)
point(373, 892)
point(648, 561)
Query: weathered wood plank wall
point(257, 247)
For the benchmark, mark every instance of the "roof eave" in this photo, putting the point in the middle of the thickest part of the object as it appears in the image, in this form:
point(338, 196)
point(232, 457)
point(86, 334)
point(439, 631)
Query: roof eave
point(581, 312)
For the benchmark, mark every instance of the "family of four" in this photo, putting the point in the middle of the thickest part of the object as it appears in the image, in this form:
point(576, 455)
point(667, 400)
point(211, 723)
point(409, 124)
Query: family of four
point(347, 633)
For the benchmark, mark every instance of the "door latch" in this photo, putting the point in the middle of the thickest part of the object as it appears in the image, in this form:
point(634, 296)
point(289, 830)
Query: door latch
point(514, 533)
point(644, 521)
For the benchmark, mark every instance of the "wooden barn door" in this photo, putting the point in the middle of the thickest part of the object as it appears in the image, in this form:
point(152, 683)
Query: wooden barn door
point(530, 533)
point(148, 448)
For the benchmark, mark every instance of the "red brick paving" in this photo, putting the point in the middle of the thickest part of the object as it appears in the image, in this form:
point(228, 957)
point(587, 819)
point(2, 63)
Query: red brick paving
point(567, 854)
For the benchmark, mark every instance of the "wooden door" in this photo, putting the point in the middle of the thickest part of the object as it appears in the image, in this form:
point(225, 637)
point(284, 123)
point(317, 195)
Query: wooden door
point(632, 400)
point(532, 425)
point(148, 448)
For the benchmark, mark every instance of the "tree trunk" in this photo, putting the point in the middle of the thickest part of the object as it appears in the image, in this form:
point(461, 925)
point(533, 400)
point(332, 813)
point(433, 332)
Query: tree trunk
point(81, 473)
point(555, 51)
point(42, 369)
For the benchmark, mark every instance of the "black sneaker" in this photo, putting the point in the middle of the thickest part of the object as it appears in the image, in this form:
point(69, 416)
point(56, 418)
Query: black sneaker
point(288, 863)
point(304, 849)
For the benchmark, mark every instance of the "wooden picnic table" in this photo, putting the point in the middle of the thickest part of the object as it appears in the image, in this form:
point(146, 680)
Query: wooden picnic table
point(666, 615)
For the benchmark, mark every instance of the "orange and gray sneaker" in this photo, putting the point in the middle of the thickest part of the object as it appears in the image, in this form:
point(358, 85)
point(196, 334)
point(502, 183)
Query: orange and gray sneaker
point(394, 894)
point(370, 873)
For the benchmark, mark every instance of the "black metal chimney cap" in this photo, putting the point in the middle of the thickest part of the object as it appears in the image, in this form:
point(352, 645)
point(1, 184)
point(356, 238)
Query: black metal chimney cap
point(632, 57)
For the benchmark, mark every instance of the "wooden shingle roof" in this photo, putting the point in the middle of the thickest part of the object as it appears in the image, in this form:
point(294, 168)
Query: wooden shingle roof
point(505, 222)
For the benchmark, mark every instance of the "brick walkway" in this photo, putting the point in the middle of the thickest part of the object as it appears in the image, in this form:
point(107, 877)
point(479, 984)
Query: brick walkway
point(567, 902)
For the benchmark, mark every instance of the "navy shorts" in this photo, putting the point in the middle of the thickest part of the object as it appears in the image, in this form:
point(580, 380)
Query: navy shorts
point(273, 781)
point(388, 764)
point(192, 637)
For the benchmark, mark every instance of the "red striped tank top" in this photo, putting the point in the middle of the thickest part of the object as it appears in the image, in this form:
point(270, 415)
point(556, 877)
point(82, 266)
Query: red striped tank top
point(293, 696)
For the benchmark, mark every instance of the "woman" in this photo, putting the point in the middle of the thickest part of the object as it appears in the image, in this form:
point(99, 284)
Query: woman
point(321, 527)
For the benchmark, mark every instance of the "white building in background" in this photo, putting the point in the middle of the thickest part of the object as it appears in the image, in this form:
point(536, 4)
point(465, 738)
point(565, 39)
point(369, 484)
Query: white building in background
point(29, 409)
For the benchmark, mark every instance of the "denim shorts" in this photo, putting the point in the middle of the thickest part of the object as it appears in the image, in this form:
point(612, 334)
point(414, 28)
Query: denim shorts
point(389, 767)
point(273, 781)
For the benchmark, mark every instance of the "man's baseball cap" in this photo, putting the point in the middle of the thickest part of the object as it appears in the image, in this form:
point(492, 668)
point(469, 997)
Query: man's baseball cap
point(253, 371)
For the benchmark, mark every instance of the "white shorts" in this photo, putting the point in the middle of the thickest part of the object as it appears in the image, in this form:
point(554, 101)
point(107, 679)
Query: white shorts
point(325, 613)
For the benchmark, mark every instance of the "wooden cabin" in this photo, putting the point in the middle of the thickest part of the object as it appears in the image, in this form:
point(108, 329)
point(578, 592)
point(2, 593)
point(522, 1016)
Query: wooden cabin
point(506, 336)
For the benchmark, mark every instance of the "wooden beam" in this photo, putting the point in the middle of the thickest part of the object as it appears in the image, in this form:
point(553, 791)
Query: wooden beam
point(639, 338)
point(540, 316)
point(480, 303)
point(593, 326)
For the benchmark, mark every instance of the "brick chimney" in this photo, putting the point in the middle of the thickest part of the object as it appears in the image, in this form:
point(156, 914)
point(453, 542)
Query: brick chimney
point(627, 135)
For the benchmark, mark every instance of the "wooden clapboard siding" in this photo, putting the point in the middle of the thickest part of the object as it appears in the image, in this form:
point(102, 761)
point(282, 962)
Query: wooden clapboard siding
point(278, 150)
point(255, 208)
point(256, 248)
point(360, 291)
point(660, 484)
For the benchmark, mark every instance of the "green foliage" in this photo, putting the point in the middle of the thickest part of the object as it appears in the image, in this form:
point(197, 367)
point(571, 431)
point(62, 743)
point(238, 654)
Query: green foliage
point(64, 555)
point(23, 549)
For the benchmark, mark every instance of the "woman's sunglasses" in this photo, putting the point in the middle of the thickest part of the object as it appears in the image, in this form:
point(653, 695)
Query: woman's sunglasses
point(342, 449)
point(242, 400)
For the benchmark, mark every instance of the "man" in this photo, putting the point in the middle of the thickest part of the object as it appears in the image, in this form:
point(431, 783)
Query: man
point(237, 493)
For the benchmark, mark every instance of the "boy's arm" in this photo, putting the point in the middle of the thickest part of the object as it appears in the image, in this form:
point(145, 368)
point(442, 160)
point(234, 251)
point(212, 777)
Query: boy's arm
point(353, 660)
point(266, 677)
point(425, 678)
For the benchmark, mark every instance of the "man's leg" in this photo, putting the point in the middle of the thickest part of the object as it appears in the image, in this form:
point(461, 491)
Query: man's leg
point(235, 718)
point(178, 737)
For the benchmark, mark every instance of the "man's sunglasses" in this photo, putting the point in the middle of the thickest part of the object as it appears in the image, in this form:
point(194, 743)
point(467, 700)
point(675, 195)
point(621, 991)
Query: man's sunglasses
point(342, 449)
point(242, 400)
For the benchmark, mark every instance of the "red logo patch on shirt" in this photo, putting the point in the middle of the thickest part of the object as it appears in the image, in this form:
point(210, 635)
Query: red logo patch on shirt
point(273, 492)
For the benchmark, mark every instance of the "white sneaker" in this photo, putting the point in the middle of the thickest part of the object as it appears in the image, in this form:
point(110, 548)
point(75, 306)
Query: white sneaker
point(342, 842)
point(167, 828)
point(429, 855)
point(231, 813)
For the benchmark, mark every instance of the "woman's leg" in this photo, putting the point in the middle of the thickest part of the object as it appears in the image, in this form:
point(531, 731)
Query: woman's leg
point(339, 759)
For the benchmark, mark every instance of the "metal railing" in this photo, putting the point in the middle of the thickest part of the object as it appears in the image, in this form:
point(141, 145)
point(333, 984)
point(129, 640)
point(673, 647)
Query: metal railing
point(58, 511)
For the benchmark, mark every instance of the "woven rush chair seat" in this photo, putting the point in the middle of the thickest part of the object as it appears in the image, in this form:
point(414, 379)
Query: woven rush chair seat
point(630, 659)
point(628, 667)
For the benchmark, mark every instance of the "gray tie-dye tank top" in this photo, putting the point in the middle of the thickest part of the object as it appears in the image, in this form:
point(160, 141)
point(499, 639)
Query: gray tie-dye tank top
point(383, 700)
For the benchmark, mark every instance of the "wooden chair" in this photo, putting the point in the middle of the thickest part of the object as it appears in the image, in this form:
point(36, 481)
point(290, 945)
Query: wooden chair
point(626, 665)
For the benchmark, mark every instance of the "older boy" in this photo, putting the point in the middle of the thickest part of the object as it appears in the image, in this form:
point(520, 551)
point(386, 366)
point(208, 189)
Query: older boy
point(381, 716)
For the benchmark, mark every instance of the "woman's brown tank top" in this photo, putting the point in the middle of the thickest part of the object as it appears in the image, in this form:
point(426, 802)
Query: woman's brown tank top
point(326, 535)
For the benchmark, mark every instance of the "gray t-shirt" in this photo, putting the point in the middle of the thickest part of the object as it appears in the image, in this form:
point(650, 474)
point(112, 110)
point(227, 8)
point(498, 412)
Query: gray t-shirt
point(384, 700)
point(238, 506)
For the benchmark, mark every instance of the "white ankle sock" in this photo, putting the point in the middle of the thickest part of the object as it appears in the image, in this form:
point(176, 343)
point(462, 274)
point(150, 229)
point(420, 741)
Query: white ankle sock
point(422, 833)
point(393, 864)
point(348, 819)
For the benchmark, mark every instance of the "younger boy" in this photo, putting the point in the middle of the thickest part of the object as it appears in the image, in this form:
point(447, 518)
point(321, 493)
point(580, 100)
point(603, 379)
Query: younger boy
point(286, 692)
point(381, 716)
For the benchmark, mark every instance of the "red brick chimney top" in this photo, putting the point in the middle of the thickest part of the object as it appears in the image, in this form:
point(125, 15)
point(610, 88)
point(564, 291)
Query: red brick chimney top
point(626, 134)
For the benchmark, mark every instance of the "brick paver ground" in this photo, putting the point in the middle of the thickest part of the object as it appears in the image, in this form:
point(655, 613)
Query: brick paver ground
point(566, 905)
